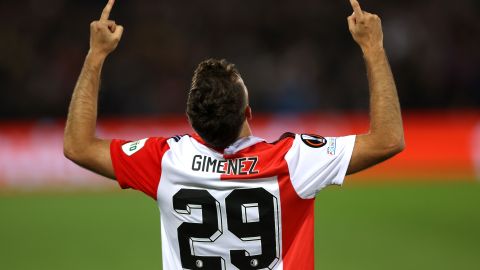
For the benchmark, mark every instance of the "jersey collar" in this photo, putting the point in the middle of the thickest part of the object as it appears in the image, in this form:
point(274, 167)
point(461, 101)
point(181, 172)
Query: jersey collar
point(235, 147)
point(241, 144)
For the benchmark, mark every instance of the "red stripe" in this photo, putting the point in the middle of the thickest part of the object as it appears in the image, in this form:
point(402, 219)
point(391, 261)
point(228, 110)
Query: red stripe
point(297, 227)
point(297, 213)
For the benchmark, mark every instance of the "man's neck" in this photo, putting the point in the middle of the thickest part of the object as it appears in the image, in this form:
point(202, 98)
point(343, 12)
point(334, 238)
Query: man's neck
point(246, 131)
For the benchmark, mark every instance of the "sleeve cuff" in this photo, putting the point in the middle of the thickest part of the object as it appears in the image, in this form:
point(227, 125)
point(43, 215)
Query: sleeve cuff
point(115, 147)
point(346, 157)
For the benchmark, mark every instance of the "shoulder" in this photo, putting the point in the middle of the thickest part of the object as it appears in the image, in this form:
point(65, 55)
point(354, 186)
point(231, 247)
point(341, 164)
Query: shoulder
point(285, 137)
point(305, 139)
point(277, 148)
point(149, 144)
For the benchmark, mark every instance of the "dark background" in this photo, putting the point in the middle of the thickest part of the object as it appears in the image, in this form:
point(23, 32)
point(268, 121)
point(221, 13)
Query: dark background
point(295, 56)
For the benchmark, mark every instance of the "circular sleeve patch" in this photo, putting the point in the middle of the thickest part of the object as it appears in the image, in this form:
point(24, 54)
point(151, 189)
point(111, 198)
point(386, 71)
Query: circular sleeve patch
point(314, 141)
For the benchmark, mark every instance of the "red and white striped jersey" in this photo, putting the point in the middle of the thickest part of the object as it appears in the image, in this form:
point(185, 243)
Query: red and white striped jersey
point(248, 207)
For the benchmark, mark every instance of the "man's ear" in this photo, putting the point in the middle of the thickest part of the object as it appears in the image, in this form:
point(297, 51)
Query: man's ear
point(248, 112)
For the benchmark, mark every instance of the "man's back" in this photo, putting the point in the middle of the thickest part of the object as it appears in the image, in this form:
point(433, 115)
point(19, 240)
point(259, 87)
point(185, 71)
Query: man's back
point(250, 207)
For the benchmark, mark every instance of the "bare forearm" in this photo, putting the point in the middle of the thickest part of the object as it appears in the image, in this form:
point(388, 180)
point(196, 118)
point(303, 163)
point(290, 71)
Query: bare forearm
point(385, 138)
point(385, 116)
point(80, 144)
point(82, 115)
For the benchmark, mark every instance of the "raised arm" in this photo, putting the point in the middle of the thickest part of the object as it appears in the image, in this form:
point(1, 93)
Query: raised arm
point(385, 138)
point(80, 143)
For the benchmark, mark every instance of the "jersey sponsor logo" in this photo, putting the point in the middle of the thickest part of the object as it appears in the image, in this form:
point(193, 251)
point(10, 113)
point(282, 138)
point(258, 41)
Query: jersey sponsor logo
point(314, 141)
point(332, 146)
point(237, 166)
point(133, 147)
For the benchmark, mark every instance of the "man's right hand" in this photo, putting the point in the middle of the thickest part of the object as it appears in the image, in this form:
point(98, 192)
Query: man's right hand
point(366, 28)
point(104, 33)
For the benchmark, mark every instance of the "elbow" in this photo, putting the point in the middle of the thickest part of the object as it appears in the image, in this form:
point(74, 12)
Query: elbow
point(395, 147)
point(71, 152)
point(68, 153)
point(78, 151)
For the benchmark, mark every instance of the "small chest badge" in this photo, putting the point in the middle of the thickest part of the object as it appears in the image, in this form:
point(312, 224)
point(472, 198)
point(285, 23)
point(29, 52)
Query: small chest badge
point(314, 141)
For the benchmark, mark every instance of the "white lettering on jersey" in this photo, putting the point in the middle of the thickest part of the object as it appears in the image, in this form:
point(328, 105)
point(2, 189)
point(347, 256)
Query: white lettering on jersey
point(133, 147)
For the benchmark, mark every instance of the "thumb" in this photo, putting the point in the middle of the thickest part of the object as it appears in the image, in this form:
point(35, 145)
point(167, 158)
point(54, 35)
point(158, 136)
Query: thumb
point(111, 26)
point(351, 22)
point(118, 32)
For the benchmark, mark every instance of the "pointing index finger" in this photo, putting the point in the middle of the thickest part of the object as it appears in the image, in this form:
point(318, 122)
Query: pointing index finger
point(106, 11)
point(356, 7)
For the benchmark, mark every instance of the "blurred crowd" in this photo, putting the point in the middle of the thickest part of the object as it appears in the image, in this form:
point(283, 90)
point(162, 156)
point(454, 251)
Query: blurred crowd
point(295, 56)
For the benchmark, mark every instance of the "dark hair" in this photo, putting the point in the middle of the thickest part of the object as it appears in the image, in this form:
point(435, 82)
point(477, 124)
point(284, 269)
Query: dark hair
point(216, 103)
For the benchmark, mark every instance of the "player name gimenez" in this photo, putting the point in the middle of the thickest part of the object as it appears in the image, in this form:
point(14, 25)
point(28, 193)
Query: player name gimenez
point(236, 166)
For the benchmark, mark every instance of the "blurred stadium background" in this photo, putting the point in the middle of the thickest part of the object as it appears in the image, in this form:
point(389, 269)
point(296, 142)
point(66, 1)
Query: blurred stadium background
point(420, 210)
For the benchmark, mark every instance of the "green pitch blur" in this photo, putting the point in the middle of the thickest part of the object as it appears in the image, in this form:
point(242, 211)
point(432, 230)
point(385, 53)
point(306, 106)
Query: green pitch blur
point(401, 226)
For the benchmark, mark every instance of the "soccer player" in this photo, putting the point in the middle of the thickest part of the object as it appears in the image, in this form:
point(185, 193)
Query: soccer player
point(227, 199)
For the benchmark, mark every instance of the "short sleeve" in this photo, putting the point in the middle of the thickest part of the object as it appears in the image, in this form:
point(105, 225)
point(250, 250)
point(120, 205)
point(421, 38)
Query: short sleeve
point(137, 164)
point(315, 162)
